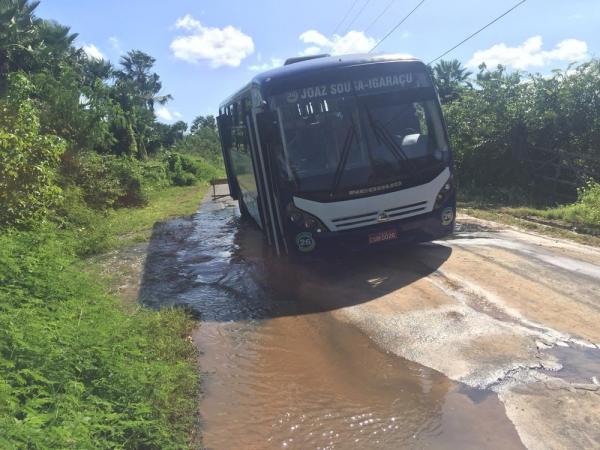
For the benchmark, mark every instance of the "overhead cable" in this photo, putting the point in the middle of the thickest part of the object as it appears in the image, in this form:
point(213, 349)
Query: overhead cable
point(397, 25)
point(478, 31)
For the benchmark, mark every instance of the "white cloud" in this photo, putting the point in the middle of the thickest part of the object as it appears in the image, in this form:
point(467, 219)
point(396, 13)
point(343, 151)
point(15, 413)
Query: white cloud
point(530, 54)
point(188, 23)
point(115, 43)
point(351, 42)
point(275, 62)
point(164, 114)
point(312, 50)
point(218, 46)
point(92, 52)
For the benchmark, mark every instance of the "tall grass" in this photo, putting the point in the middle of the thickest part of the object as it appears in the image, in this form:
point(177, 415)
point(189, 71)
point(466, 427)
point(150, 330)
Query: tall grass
point(584, 212)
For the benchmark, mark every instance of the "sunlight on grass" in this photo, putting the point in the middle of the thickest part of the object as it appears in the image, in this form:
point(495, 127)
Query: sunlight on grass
point(131, 225)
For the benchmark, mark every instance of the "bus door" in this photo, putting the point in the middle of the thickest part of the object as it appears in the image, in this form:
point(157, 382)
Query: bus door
point(268, 188)
point(224, 123)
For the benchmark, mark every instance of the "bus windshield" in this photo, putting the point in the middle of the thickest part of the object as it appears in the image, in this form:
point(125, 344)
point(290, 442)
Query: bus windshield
point(352, 145)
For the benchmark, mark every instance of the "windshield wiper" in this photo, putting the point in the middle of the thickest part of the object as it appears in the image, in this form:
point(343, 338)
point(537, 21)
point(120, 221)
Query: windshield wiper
point(383, 135)
point(343, 159)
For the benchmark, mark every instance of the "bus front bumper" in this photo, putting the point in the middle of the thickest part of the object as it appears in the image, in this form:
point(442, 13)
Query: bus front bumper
point(422, 228)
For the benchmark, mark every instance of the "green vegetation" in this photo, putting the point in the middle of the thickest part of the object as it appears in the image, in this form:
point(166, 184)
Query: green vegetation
point(128, 226)
point(584, 214)
point(526, 143)
point(75, 370)
point(28, 159)
point(85, 167)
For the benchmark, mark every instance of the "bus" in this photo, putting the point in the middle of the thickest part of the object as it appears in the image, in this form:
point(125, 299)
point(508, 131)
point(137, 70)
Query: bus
point(340, 152)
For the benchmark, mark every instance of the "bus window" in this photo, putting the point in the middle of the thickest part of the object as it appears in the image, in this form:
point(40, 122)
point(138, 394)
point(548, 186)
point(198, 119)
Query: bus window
point(385, 137)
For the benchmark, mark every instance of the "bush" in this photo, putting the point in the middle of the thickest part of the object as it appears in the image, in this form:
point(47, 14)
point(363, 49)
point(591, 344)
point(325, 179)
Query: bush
point(184, 170)
point(77, 372)
point(517, 131)
point(155, 174)
point(106, 180)
point(75, 217)
point(28, 160)
point(586, 210)
point(130, 175)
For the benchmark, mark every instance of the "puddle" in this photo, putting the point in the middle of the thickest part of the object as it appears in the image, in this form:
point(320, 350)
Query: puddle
point(471, 227)
point(579, 364)
point(280, 373)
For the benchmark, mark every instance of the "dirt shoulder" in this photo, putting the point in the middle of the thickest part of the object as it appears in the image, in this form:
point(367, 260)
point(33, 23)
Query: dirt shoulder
point(545, 227)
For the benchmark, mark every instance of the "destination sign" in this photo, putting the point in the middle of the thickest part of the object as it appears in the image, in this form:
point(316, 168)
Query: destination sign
point(360, 86)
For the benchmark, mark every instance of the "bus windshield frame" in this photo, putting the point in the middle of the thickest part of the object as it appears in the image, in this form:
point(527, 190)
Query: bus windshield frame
point(361, 136)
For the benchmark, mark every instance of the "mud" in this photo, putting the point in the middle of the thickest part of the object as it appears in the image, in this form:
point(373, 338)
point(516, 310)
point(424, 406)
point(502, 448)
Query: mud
point(486, 339)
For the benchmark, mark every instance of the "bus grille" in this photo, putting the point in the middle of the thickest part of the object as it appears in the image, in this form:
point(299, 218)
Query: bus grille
point(386, 215)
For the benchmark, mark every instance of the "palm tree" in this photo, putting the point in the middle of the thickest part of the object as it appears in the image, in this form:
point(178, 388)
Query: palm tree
point(27, 42)
point(451, 78)
point(136, 72)
point(17, 33)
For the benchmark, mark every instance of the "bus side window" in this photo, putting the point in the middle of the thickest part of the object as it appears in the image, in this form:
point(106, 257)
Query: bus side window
point(239, 139)
point(224, 121)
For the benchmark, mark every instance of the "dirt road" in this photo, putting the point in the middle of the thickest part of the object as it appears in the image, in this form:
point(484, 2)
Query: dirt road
point(486, 339)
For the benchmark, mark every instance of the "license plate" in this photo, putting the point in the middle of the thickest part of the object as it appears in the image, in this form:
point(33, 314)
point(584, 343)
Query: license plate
point(382, 236)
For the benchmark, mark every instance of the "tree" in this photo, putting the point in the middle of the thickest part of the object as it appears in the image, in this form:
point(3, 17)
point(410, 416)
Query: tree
point(137, 90)
point(203, 122)
point(451, 78)
point(27, 42)
point(144, 84)
point(18, 34)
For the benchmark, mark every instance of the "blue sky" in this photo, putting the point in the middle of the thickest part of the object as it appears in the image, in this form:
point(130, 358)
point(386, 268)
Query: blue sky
point(205, 50)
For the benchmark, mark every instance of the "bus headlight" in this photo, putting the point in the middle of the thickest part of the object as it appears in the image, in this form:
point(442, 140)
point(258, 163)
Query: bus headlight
point(444, 193)
point(295, 217)
point(305, 220)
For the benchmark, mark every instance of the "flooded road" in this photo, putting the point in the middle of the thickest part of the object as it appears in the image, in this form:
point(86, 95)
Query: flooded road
point(398, 349)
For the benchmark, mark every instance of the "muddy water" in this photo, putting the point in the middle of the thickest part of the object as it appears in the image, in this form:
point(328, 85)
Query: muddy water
point(280, 373)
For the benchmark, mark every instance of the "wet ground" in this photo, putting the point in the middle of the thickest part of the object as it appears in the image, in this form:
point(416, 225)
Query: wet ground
point(485, 340)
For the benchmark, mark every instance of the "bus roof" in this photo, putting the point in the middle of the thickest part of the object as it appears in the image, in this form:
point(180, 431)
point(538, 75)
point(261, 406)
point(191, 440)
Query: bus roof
point(310, 66)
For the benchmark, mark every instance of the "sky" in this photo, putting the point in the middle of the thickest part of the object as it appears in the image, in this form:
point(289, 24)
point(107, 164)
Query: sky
point(206, 50)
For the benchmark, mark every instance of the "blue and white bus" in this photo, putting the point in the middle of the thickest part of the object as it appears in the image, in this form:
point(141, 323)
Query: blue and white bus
point(338, 152)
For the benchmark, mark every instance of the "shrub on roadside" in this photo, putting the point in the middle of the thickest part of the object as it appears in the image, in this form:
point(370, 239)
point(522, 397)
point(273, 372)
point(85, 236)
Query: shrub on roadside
point(586, 210)
point(28, 159)
point(185, 170)
point(75, 218)
point(107, 180)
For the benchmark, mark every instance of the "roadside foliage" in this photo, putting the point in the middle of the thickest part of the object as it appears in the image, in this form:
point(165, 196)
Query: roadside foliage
point(80, 142)
point(525, 138)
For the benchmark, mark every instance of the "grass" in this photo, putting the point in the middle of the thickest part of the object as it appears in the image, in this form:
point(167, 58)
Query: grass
point(130, 225)
point(76, 371)
point(78, 368)
point(579, 221)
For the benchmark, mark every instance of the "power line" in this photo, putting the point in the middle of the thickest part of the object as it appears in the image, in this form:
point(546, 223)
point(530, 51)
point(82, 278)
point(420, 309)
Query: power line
point(478, 31)
point(389, 5)
point(397, 25)
point(357, 15)
point(345, 16)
